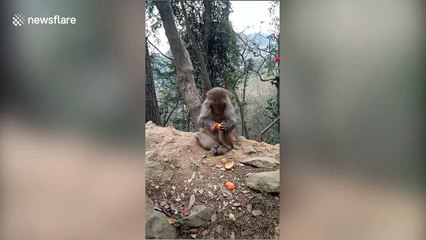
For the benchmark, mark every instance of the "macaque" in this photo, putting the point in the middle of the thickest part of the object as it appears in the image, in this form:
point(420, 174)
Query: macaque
point(216, 109)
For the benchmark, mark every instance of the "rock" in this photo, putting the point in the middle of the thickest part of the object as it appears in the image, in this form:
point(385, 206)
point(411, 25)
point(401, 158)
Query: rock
point(148, 155)
point(214, 217)
point(256, 213)
point(195, 164)
point(150, 165)
point(191, 201)
point(204, 232)
point(232, 236)
point(249, 150)
point(261, 162)
point(249, 207)
point(264, 181)
point(149, 125)
point(199, 216)
point(157, 226)
point(219, 229)
point(231, 216)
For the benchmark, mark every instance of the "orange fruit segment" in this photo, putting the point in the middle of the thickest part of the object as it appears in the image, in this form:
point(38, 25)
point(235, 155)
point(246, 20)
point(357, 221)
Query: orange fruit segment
point(215, 127)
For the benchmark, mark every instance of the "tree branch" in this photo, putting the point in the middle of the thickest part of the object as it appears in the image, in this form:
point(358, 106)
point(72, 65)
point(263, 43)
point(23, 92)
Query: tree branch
point(170, 114)
point(159, 50)
point(268, 127)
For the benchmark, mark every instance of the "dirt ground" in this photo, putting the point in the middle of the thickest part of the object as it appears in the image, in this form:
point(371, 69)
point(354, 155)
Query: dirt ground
point(190, 170)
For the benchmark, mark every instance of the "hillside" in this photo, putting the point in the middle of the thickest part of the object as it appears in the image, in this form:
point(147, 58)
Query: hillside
point(181, 176)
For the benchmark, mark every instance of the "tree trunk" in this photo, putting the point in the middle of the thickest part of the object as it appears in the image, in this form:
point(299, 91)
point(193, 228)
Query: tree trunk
point(184, 68)
point(244, 103)
point(206, 36)
point(151, 105)
point(244, 131)
point(204, 74)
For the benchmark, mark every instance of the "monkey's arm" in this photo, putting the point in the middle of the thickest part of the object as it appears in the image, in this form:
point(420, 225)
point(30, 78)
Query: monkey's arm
point(230, 119)
point(205, 118)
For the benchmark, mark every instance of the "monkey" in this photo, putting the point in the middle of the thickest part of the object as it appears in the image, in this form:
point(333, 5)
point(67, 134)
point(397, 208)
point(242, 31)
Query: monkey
point(217, 108)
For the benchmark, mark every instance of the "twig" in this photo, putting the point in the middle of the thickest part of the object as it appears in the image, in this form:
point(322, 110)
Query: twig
point(267, 128)
point(170, 114)
point(159, 50)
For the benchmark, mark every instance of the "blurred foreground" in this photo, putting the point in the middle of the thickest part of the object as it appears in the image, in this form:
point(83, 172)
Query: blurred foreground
point(331, 205)
point(63, 185)
point(353, 120)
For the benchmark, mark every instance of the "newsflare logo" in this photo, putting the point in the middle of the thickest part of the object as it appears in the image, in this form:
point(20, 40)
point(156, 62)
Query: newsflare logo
point(19, 20)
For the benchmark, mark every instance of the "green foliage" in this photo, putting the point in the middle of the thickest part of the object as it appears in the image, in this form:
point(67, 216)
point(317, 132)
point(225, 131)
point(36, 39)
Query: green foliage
point(272, 112)
point(219, 44)
point(168, 93)
point(221, 48)
point(153, 21)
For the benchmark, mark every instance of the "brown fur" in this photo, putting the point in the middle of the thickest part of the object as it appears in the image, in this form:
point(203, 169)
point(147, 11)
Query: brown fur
point(217, 108)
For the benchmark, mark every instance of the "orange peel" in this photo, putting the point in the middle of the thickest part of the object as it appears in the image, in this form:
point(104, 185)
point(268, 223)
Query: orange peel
point(230, 185)
point(229, 166)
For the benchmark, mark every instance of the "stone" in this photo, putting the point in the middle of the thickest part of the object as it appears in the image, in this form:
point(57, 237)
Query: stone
point(204, 232)
point(152, 167)
point(256, 213)
point(264, 181)
point(157, 226)
point(214, 217)
point(249, 150)
point(219, 229)
point(148, 155)
point(191, 201)
point(199, 216)
point(249, 207)
point(261, 162)
point(149, 125)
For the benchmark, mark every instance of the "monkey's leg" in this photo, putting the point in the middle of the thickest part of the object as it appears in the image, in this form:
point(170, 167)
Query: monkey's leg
point(226, 143)
point(206, 141)
point(222, 149)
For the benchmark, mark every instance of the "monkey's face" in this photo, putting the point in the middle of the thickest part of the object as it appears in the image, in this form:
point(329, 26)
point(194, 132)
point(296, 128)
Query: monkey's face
point(218, 108)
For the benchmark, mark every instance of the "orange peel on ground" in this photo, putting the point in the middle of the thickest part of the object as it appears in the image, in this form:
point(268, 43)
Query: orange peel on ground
point(229, 166)
point(230, 185)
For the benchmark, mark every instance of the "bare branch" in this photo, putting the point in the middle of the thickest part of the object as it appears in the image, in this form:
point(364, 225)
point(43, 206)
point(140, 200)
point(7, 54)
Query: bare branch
point(170, 114)
point(268, 127)
point(264, 80)
point(159, 50)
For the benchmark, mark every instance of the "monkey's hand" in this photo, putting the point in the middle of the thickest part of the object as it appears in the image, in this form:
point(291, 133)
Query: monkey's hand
point(227, 126)
point(224, 127)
